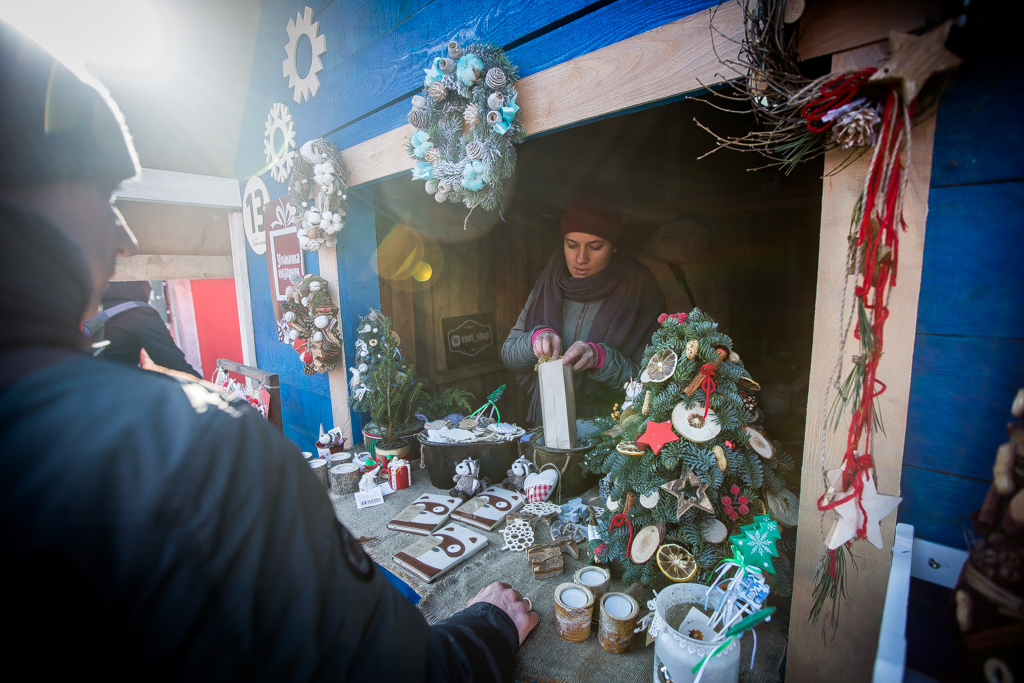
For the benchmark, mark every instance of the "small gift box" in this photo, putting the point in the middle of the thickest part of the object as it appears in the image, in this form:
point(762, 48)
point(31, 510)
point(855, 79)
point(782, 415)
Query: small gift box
point(400, 474)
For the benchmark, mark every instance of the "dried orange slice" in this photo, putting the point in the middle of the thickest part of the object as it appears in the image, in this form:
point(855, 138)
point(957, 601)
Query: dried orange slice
point(662, 365)
point(629, 448)
point(676, 562)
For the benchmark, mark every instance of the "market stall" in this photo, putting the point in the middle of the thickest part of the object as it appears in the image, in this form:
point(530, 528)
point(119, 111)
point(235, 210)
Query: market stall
point(451, 266)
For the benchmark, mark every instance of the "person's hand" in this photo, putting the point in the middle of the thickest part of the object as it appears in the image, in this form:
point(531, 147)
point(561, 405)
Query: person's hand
point(512, 603)
point(547, 344)
point(581, 356)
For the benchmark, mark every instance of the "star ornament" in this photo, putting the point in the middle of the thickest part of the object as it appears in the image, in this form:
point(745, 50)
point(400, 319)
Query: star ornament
point(657, 435)
point(690, 492)
point(915, 58)
point(876, 505)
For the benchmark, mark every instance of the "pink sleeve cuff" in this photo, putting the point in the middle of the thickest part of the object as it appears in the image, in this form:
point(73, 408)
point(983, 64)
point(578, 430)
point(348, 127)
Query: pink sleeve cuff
point(599, 352)
point(543, 329)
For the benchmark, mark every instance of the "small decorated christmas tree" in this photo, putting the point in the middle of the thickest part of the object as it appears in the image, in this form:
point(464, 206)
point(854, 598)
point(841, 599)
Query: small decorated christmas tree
point(372, 343)
point(392, 392)
point(687, 463)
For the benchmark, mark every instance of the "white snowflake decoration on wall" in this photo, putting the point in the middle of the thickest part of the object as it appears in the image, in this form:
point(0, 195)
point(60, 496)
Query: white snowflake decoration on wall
point(281, 156)
point(304, 87)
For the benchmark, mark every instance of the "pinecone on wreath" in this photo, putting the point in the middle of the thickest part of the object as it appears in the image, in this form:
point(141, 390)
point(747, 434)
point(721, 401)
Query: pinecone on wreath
point(437, 92)
point(858, 128)
point(432, 155)
point(471, 115)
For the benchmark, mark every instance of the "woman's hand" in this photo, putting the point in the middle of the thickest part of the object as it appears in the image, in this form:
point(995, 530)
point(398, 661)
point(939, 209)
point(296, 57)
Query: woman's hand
point(547, 344)
point(512, 603)
point(581, 356)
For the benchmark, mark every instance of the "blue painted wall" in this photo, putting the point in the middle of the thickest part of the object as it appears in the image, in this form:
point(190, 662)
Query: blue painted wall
point(969, 350)
point(375, 53)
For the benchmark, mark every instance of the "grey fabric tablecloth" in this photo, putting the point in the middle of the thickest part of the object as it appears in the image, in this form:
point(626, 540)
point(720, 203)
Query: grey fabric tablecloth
point(544, 657)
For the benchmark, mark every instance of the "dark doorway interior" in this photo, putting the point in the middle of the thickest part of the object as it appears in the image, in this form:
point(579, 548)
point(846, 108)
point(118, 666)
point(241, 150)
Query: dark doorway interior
point(746, 242)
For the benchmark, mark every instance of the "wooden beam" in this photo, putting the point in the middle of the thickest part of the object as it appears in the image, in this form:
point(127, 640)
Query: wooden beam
point(243, 298)
point(172, 187)
point(851, 655)
point(670, 60)
point(336, 378)
point(830, 26)
point(169, 267)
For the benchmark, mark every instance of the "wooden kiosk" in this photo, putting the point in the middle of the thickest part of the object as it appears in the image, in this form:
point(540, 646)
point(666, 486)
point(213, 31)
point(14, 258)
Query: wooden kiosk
point(588, 67)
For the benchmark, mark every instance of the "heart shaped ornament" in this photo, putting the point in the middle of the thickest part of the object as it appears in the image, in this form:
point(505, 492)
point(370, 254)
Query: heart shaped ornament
point(539, 485)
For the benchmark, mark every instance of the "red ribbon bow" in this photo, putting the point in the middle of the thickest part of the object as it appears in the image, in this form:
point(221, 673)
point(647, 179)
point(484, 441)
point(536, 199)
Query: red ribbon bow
point(708, 385)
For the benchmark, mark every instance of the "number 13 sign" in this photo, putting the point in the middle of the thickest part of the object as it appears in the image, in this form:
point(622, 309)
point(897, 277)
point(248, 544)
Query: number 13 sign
point(254, 200)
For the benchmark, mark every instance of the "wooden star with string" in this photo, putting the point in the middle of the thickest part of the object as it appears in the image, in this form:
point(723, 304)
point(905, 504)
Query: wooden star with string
point(915, 58)
point(690, 492)
point(876, 505)
point(657, 435)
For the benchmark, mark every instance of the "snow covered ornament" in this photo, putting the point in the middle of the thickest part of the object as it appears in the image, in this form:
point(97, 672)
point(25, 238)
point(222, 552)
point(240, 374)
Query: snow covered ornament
point(317, 192)
point(467, 122)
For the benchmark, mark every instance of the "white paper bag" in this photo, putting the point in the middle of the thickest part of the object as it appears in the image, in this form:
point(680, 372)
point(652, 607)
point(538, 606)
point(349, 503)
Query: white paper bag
point(557, 404)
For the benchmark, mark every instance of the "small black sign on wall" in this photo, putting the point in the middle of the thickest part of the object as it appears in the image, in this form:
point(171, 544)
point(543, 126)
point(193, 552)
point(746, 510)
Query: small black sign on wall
point(469, 339)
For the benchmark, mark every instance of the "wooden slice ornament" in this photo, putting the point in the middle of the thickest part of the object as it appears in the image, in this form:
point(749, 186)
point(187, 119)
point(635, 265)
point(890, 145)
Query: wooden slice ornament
point(646, 543)
point(676, 562)
point(662, 365)
point(720, 459)
point(758, 443)
point(714, 531)
point(691, 423)
point(785, 507)
point(650, 499)
point(612, 504)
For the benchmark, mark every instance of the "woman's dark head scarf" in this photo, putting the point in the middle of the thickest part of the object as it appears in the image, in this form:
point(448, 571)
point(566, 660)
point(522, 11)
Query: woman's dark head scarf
point(630, 304)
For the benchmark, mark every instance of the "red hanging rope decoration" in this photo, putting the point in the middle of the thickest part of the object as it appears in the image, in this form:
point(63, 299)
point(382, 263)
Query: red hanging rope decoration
point(877, 244)
point(834, 94)
point(708, 385)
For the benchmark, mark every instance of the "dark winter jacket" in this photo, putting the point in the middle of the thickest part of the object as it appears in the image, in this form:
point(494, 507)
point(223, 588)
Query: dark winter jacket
point(139, 328)
point(151, 528)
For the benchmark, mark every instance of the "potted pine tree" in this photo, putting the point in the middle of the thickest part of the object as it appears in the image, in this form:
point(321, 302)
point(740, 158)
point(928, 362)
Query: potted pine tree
point(391, 395)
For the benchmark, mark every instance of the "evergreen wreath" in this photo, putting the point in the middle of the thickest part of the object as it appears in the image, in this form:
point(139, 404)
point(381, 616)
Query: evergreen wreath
point(467, 122)
point(318, 194)
point(310, 319)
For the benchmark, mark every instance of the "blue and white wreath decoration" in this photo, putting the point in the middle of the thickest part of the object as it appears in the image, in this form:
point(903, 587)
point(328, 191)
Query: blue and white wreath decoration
point(467, 121)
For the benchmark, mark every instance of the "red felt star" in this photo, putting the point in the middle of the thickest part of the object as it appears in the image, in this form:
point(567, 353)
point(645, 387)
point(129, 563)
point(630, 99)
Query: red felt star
point(657, 435)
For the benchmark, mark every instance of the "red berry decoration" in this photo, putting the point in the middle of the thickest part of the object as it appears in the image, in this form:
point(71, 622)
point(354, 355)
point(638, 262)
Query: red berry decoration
point(726, 500)
point(744, 509)
point(734, 490)
point(728, 444)
point(733, 516)
point(662, 318)
point(728, 509)
point(743, 500)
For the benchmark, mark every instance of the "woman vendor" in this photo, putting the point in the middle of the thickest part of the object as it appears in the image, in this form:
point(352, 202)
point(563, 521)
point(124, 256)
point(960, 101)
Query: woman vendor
point(593, 307)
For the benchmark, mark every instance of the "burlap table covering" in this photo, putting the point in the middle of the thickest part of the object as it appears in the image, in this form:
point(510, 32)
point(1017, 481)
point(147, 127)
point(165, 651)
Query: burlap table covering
point(544, 657)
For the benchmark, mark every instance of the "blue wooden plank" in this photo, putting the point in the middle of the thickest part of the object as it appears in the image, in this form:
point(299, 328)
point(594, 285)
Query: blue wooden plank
point(357, 274)
point(939, 505)
point(972, 277)
point(391, 65)
point(977, 135)
point(960, 395)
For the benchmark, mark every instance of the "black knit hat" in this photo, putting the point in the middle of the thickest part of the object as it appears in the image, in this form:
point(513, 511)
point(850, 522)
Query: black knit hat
point(55, 125)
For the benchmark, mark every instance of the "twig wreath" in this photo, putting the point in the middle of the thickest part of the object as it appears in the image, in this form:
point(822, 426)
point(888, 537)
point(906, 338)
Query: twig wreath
point(467, 122)
point(312, 324)
point(317, 192)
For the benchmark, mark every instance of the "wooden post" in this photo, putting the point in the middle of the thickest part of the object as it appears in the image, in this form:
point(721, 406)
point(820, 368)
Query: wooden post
point(240, 265)
point(336, 377)
point(850, 657)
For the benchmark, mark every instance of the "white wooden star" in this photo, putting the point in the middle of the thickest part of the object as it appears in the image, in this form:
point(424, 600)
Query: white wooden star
point(877, 506)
